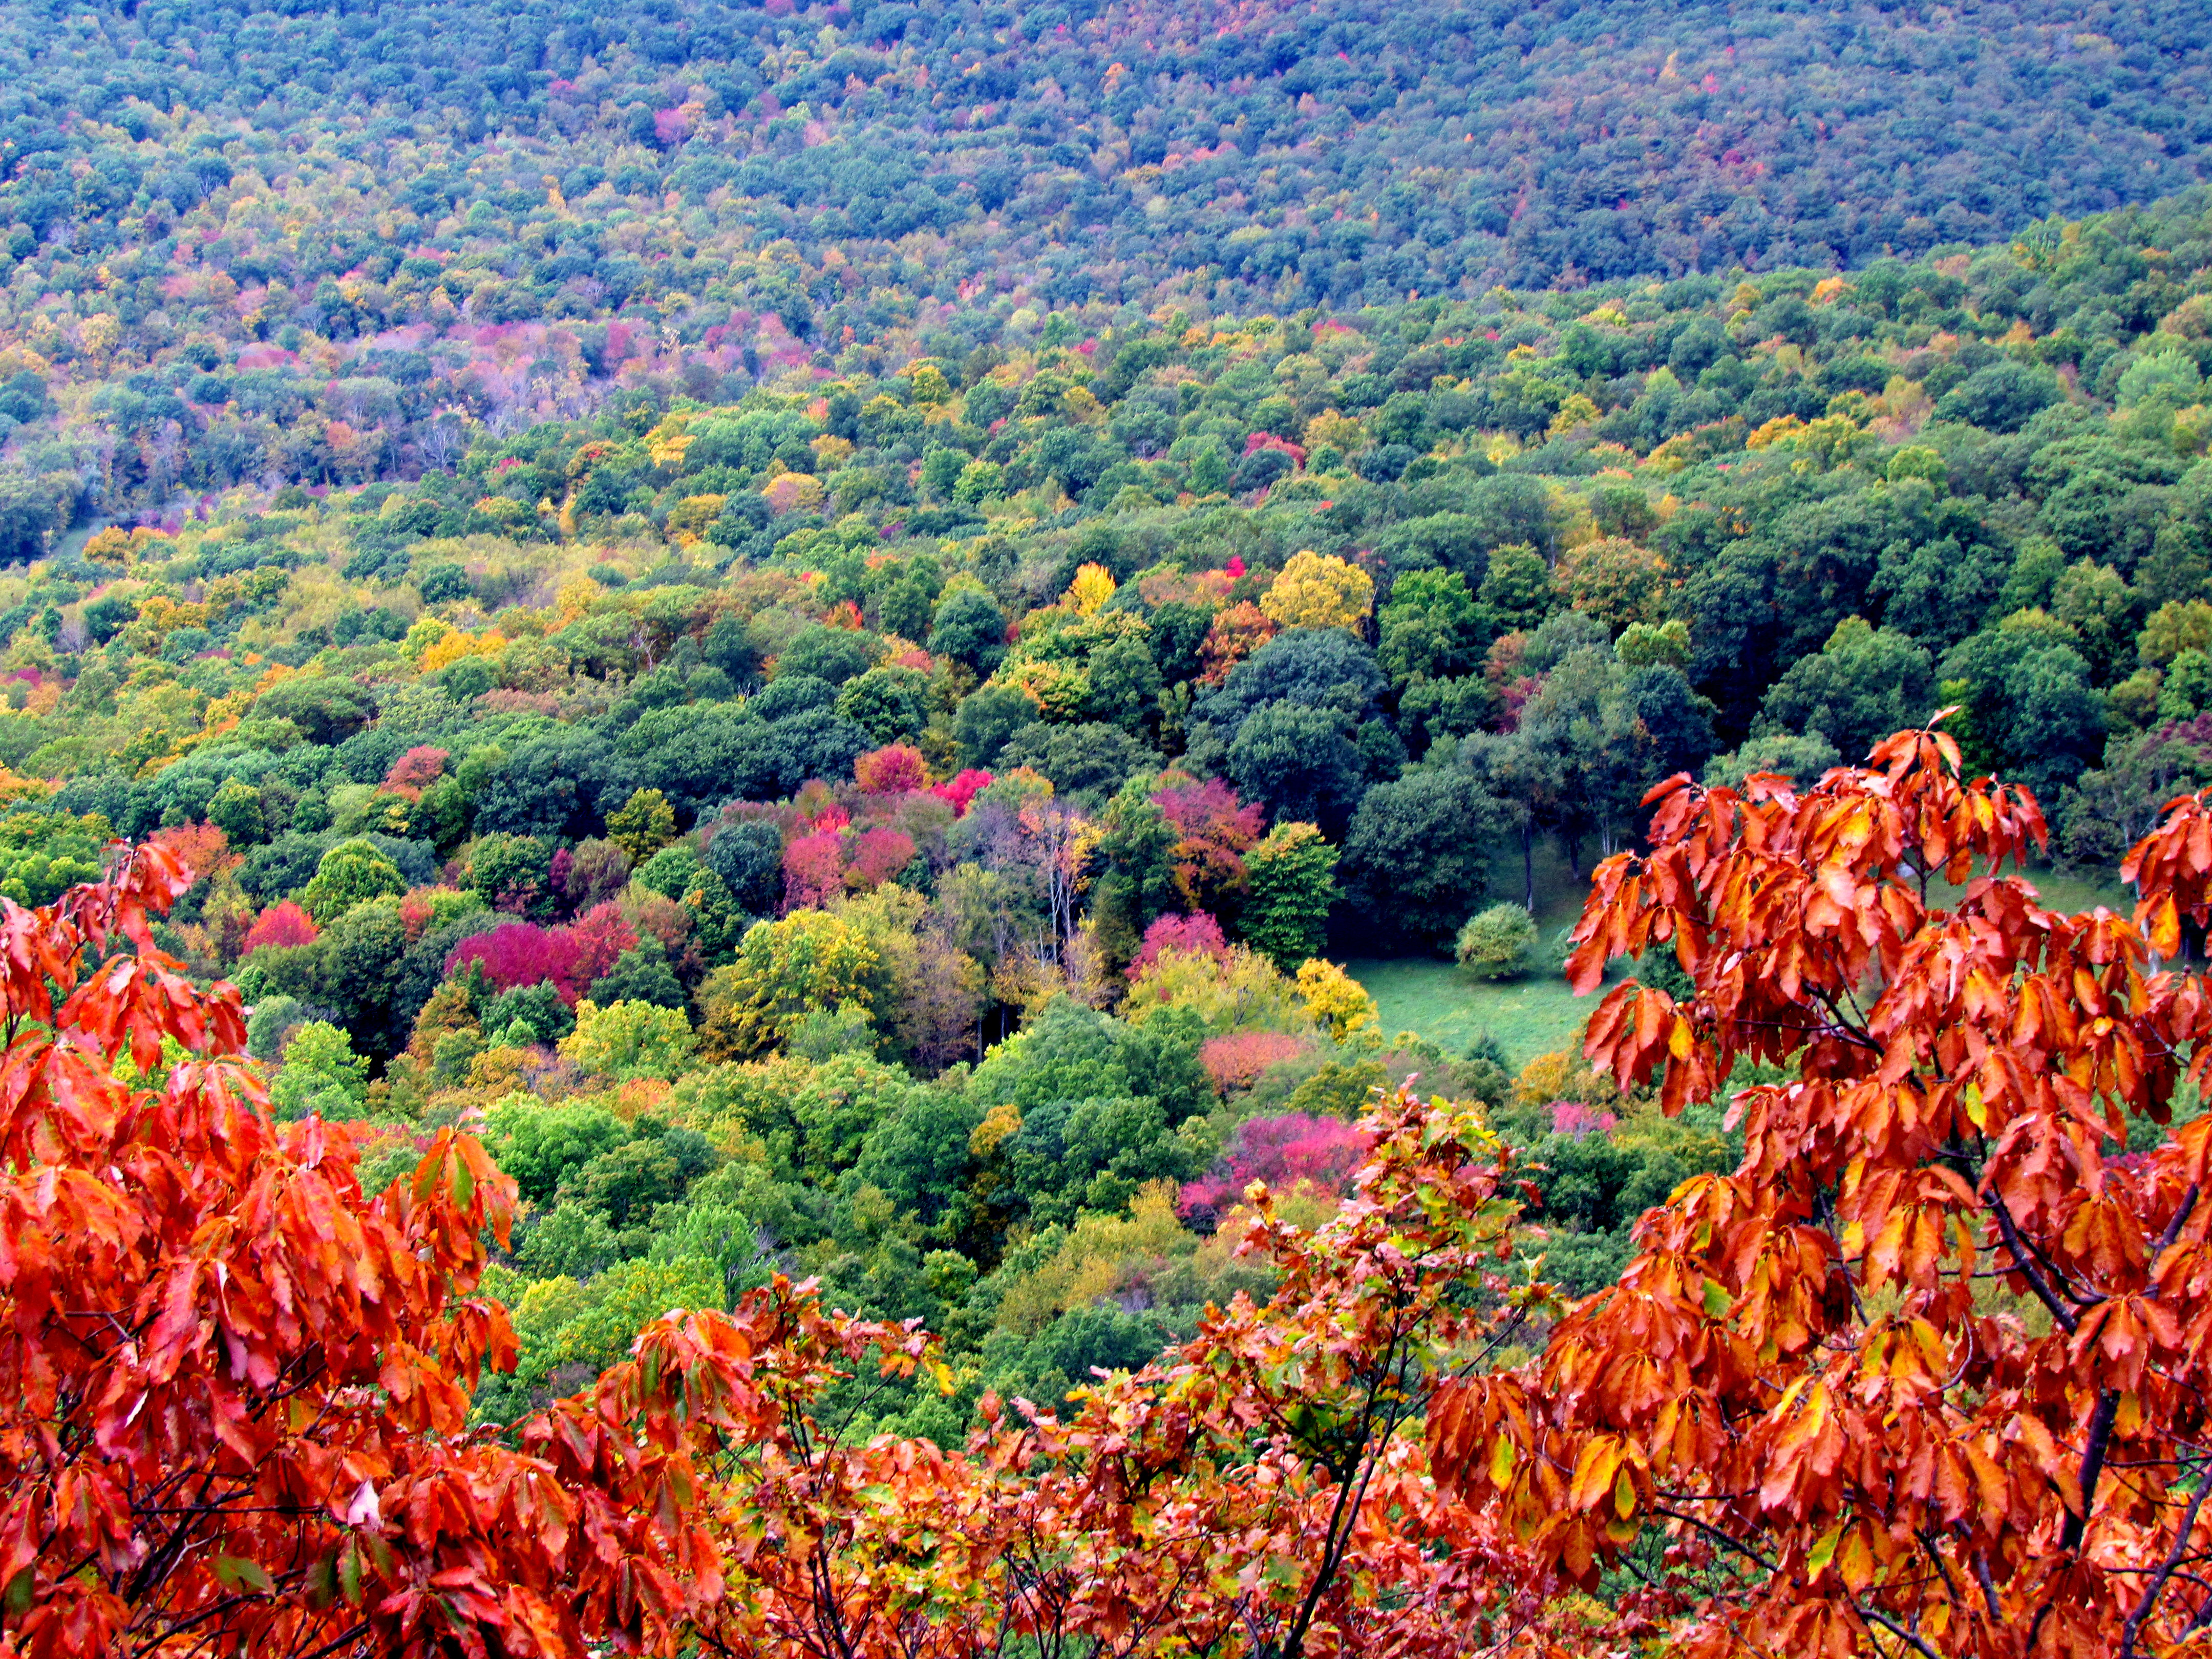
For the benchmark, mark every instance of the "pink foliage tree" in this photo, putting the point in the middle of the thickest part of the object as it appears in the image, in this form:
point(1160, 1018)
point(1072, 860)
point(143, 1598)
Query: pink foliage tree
point(1192, 935)
point(1260, 440)
point(1573, 1118)
point(813, 870)
point(963, 789)
point(877, 855)
point(282, 924)
point(1319, 1153)
point(520, 953)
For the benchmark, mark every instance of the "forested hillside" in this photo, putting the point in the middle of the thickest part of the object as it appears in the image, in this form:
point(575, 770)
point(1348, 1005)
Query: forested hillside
point(901, 825)
point(213, 216)
point(787, 663)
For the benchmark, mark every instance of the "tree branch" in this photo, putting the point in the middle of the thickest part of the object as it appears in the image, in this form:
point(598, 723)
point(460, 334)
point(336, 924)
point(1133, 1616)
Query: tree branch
point(2093, 1467)
point(2133, 1628)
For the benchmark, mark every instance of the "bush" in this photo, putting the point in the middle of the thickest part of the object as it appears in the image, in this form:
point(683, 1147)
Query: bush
point(1498, 943)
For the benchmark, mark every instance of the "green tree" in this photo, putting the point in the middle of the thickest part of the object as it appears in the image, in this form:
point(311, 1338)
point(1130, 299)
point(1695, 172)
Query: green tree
point(1864, 683)
point(641, 973)
point(321, 1075)
point(538, 1145)
point(352, 873)
point(2104, 612)
point(1416, 858)
point(1517, 592)
point(889, 703)
point(538, 1009)
point(1300, 761)
point(1290, 878)
point(236, 810)
point(1431, 627)
point(2031, 709)
point(988, 717)
point(1136, 859)
point(749, 858)
point(1125, 684)
point(968, 627)
point(511, 873)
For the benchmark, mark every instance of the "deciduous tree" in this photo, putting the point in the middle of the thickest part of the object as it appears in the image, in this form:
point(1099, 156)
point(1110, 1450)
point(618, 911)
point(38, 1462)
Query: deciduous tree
point(1924, 1375)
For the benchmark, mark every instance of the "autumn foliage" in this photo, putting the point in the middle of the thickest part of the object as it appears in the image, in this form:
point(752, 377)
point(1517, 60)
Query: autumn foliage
point(235, 1389)
point(1926, 1374)
point(237, 1417)
point(1920, 1377)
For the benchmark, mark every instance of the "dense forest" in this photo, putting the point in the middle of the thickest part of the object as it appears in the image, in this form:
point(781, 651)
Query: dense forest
point(216, 219)
point(791, 663)
point(902, 827)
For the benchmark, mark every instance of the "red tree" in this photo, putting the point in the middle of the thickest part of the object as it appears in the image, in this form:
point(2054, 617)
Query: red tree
point(233, 1417)
point(282, 923)
point(962, 788)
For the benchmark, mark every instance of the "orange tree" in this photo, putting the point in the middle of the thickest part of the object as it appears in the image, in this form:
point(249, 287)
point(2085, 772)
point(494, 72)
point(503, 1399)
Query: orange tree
point(1927, 1373)
point(232, 1391)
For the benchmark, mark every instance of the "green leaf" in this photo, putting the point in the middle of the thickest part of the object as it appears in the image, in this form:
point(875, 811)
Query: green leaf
point(238, 1573)
point(1716, 1300)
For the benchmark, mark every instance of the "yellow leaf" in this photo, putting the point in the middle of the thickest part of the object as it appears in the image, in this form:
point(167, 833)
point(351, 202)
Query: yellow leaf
point(1593, 1471)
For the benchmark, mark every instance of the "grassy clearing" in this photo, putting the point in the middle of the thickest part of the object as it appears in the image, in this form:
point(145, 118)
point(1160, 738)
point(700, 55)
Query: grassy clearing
point(1532, 1016)
point(1529, 1017)
point(1538, 1015)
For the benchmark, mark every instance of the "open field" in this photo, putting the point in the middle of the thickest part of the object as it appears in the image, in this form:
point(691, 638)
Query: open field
point(1529, 1017)
point(1537, 1014)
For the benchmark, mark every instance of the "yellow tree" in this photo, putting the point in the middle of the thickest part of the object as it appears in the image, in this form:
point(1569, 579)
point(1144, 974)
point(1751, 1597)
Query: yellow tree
point(1318, 591)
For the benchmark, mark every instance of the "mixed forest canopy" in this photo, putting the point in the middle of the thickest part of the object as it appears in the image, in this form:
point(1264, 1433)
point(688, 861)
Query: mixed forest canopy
point(899, 818)
point(776, 662)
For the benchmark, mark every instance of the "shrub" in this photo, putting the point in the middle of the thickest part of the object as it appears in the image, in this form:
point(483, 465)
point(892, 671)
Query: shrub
point(1497, 943)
